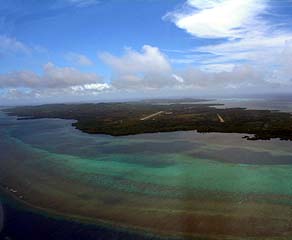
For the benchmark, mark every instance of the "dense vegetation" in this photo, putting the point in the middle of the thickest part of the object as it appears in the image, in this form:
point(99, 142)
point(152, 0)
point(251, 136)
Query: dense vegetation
point(125, 118)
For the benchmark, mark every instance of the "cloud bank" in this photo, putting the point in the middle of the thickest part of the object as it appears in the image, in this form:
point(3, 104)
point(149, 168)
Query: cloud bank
point(52, 77)
point(53, 81)
point(151, 69)
point(241, 49)
point(148, 70)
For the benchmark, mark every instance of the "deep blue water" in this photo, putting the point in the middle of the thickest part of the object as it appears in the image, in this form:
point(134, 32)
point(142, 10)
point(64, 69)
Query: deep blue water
point(20, 223)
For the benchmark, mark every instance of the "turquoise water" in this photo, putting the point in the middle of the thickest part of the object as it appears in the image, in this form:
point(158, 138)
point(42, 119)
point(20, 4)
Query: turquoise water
point(137, 180)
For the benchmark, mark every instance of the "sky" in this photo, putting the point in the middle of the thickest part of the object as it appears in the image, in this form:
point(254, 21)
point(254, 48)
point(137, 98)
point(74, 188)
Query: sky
point(93, 50)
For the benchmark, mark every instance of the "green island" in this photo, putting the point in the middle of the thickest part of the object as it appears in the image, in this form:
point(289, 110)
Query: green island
point(162, 115)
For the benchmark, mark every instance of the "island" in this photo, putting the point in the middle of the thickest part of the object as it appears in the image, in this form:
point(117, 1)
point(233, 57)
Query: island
point(164, 115)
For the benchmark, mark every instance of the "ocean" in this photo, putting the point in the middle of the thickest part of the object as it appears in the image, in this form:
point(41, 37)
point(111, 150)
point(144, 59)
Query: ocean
point(60, 183)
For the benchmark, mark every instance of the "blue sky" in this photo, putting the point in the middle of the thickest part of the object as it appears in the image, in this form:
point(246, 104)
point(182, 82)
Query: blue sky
point(71, 50)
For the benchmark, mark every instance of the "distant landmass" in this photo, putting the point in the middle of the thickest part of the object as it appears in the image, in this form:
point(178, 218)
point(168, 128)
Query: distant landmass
point(164, 115)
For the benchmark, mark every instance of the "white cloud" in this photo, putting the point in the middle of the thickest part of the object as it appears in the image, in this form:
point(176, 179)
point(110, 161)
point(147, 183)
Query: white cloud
point(179, 79)
point(149, 68)
point(78, 59)
point(55, 84)
point(53, 77)
point(67, 76)
point(91, 87)
point(11, 45)
point(150, 59)
point(218, 18)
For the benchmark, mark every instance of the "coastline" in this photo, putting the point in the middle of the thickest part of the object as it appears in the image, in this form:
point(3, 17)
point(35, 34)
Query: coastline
point(125, 119)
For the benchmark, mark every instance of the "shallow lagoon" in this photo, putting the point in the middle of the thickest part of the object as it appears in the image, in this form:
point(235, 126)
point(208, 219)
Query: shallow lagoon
point(181, 184)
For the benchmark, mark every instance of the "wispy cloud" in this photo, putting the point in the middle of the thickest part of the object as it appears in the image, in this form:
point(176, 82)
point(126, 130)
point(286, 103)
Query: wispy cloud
point(83, 3)
point(247, 31)
point(11, 45)
point(78, 59)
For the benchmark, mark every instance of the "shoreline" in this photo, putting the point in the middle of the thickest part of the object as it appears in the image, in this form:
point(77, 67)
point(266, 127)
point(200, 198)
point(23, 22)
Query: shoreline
point(244, 135)
point(125, 119)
